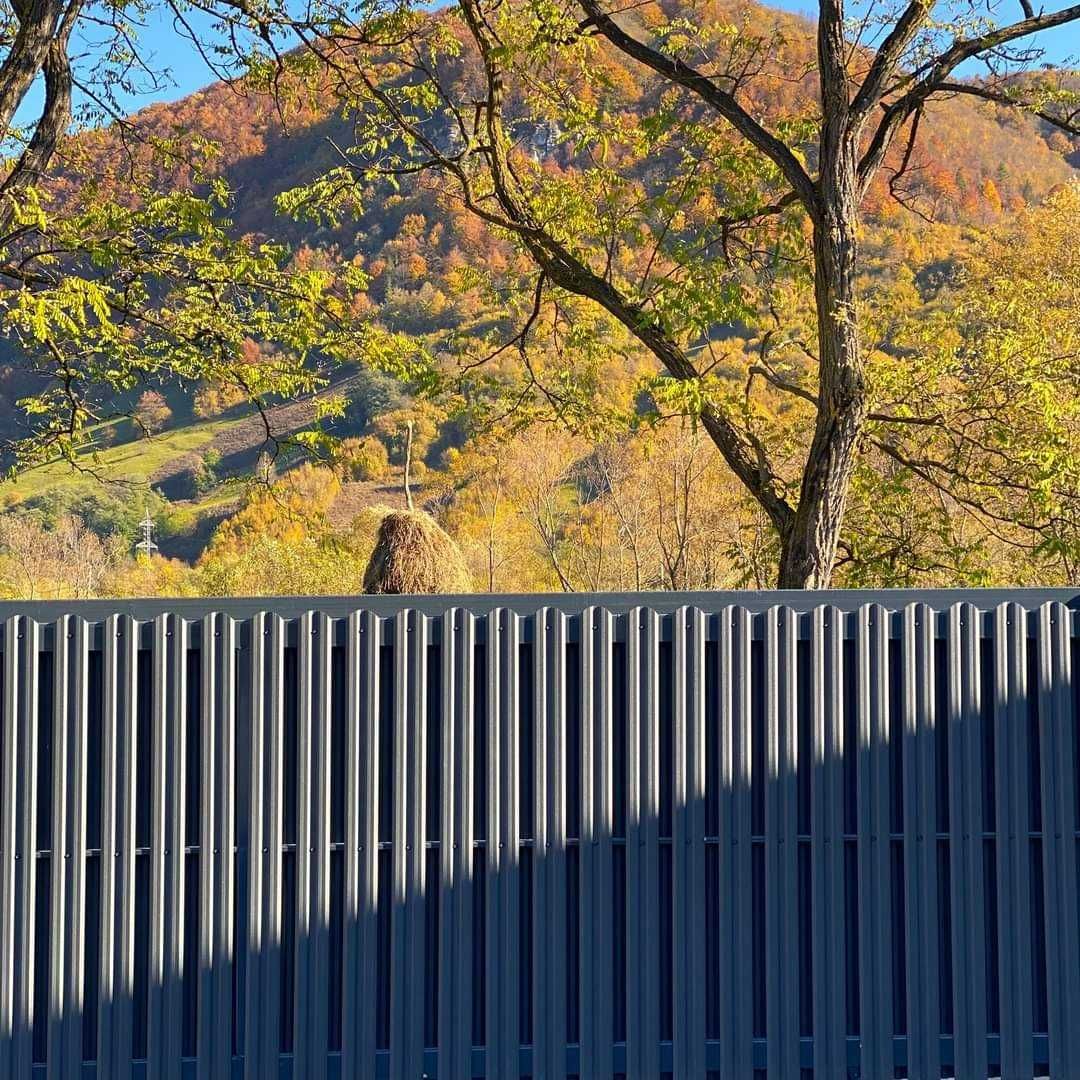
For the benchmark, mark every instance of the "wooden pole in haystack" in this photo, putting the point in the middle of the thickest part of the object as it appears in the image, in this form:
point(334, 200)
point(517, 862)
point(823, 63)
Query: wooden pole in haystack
point(408, 465)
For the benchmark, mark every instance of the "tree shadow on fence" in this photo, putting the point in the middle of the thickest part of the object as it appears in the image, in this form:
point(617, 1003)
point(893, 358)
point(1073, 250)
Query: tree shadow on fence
point(776, 844)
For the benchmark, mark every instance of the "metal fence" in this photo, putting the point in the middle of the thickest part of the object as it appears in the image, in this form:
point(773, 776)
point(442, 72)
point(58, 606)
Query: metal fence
point(730, 835)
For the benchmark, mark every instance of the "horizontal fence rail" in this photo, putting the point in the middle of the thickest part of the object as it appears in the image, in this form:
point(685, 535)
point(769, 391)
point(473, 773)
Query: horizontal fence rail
point(713, 835)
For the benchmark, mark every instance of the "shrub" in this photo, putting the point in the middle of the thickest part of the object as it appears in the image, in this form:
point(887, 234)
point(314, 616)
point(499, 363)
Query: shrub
point(152, 412)
point(364, 458)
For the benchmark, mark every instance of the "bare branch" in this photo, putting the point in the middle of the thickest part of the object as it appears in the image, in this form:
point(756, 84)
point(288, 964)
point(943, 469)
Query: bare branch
point(1069, 124)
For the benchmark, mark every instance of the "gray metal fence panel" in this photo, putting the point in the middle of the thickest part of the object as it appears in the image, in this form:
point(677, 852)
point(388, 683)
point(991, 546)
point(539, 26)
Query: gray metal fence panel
point(697, 836)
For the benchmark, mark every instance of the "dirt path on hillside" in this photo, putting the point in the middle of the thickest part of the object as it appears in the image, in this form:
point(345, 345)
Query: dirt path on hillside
point(242, 442)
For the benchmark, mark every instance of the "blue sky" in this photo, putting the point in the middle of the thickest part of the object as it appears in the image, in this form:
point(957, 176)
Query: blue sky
point(188, 72)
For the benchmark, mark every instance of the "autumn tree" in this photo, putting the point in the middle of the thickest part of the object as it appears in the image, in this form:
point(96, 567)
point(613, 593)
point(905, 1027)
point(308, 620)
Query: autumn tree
point(748, 168)
point(364, 459)
point(213, 399)
point(514, 511)
point(282, 542)
point(152, 412)
point(649, 510)
point(104, 288)
point(64, 560)
point(986, 487)
point(292, 508)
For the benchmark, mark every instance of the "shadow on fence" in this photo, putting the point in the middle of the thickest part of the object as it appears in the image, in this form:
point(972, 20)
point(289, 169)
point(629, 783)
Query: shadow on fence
point(630, 843)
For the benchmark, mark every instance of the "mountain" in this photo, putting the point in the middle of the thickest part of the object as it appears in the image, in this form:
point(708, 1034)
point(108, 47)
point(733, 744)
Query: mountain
point(976, 163)
point(974, 159)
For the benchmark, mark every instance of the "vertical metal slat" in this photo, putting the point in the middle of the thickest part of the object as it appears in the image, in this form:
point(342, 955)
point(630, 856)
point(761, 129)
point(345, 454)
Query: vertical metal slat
point(920, 843)
point(597, 1019)
point(549, 909)
point(320, 822)
point(642, 845)
point(256, 945)
point(688, 840)
point(588, 960)
point(216, 847)
point(456, 847)
point(304, 990)
point(68, 909)
point(265, 837)
point(736, 909)
point(207, 1034)
point(1057, 742)
point(1013, 854)
point(874, 843)
point(9, 830)
point(407, 920)
point(168, 839)
point(313, 849)
point(781, 837)
point(261, 1011)
point(117, 979)
point(360, 914)
point(110, 765)
point(603, 896)
point(827, 845)
point(966, 841)
point(503, 879)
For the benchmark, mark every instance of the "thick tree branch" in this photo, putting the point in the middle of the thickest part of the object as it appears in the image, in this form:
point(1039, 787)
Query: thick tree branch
point(777, 151)
point(832, 69)
point(967, 48)
point(888, 57)
point(56, 112)
point(38, 22)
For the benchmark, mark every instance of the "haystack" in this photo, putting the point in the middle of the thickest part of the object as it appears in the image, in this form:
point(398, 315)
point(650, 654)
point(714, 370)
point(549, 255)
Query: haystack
point(413, 555)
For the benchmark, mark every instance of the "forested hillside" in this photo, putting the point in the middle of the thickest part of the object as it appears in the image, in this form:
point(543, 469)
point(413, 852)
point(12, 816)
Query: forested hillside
point(975, 160)
point(557, 506)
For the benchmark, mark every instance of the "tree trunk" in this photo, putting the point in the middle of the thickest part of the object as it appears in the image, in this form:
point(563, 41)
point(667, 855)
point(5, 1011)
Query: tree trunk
point(808, 547)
